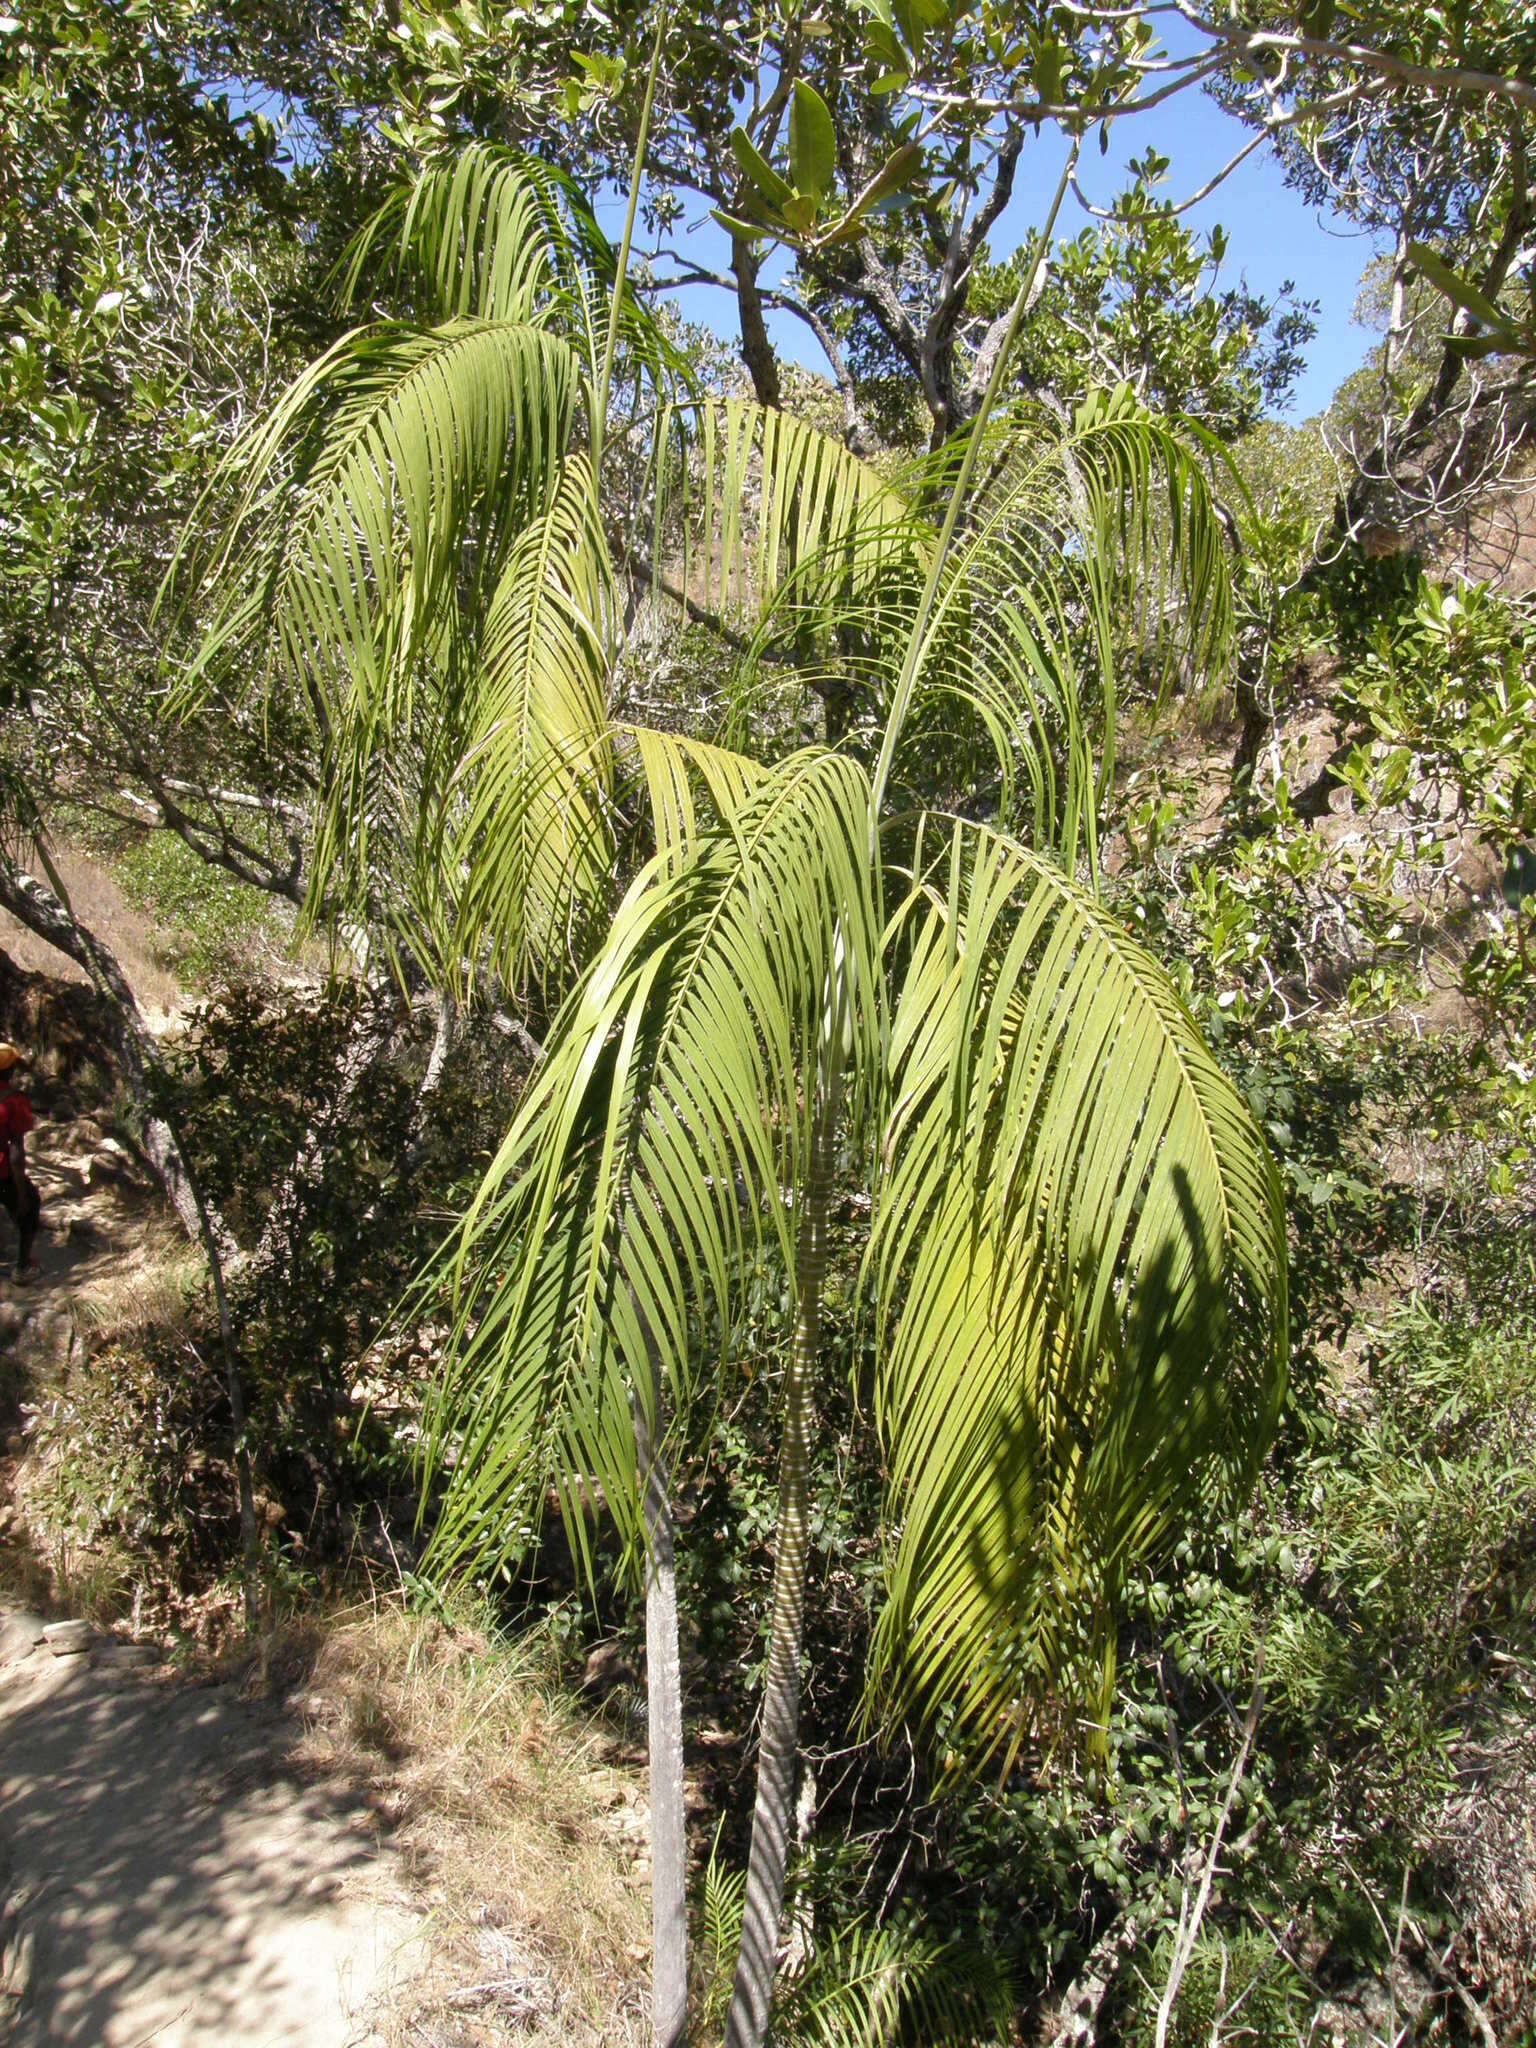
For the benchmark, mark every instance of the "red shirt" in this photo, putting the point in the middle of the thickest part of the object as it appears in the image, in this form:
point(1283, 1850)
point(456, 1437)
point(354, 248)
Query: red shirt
point(16, 1119)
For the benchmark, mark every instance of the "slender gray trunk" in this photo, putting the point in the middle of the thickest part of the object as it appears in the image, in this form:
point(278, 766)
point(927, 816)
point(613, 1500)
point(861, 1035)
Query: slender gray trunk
point(35, 905)
point(447, 1010)
point(664, 1711)
point(250, 1542)
point(773, 1816)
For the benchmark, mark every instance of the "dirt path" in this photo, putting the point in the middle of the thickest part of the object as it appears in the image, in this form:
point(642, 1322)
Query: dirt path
point(172, 1879)
point(168, 1872)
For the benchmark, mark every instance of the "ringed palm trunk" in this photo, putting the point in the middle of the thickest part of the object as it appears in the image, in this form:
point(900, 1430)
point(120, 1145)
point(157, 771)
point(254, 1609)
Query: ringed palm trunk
point(774, 1812)
point(664, 1717)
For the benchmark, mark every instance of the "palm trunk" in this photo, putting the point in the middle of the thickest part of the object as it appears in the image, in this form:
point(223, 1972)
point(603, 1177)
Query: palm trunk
point(773, 1816)
point(664, 1713)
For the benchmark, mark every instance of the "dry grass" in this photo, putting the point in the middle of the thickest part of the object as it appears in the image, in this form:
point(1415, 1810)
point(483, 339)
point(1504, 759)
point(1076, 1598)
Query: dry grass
point(527, 1839)
point(151, 1285)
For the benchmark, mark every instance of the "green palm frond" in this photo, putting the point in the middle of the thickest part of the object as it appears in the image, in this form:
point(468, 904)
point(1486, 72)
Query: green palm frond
point(494, 234)
point(763, 515)
point(1152, 534)
point(655, 1153)
point(676, 771)
point(1075, 1216)
point(529, 788)
point(417, 556)
point(480, 235)
point(357, 498)
point(1092, 546)
point(870, 1986)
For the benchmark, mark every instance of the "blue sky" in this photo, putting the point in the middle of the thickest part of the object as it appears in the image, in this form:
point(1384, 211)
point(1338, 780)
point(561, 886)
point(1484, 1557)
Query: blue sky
point(1273, 234)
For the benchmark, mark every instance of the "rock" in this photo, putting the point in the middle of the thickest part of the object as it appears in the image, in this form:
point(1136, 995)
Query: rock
point(67, 1638)
point(15, 1444)
point(20, 1962)
point(116, 1656)
point(20, 1635)
point(114, 1163)
point(607, 1668)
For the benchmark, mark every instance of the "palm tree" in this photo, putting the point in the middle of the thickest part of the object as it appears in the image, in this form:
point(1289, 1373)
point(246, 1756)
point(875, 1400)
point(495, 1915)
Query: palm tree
point(1067, 1194)
point(409, 558)
point(812, 970)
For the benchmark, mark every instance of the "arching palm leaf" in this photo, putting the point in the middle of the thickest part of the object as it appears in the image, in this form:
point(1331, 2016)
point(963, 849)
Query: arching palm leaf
point(495, 234)
point(651, 1155)
point(762, 517)
point(359, 494)
point(1091, 544)
point(675, 772)
point(529, 789)
point(417, 555)
point(1073, 1199)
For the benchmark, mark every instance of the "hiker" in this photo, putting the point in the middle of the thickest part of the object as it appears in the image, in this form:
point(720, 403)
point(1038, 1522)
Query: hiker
point(16, 1191)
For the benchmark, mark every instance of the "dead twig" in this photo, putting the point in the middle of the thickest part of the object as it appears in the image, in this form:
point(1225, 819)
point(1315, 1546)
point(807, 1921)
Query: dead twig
point(1190, 1916)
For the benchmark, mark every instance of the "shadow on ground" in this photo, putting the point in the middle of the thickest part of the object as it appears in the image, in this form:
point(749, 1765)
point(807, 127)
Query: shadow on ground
point(172, 1878)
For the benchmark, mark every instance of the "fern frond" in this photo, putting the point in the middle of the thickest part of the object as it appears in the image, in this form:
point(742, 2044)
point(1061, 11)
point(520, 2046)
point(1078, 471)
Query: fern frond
point(868, 1986)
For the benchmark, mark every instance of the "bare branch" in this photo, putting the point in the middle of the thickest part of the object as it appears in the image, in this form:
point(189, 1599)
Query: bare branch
point(1464, 84)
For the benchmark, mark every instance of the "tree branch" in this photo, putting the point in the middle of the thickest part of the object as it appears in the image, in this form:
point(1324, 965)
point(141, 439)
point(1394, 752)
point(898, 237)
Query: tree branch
point(48, 918)
point(1246, 42)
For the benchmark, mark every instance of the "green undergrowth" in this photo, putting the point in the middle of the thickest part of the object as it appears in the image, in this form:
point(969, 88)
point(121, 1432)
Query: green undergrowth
point(213, 924)
point(1373, 1612)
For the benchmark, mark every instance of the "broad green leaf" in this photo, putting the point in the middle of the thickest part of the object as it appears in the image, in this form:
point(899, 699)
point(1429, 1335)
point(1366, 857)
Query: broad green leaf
point(1460, 290)
point(893, 177)
point(812, 143)
point(757, 170)
point(743, 230)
